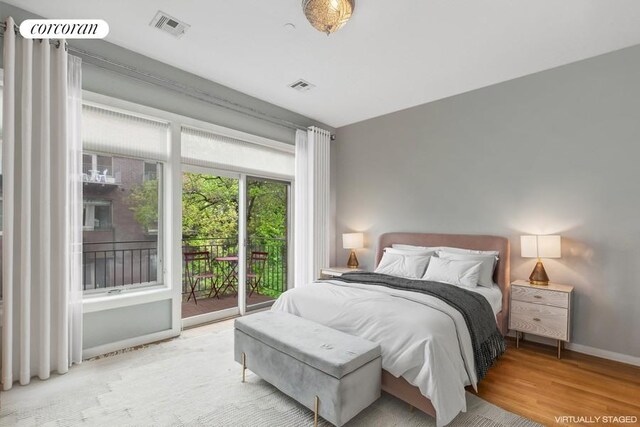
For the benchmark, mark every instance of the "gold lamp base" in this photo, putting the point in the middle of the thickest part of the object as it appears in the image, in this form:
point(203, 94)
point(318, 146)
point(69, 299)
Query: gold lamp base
point(353, 260)
point(539, 275)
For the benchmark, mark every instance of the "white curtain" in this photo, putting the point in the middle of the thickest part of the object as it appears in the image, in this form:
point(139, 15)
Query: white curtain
point(41, 329)
point(311, 217)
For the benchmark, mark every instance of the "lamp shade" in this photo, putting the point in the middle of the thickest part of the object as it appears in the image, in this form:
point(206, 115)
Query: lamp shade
point(352, 240)
point(549, 246)
point(540, 246)
point(529, 246)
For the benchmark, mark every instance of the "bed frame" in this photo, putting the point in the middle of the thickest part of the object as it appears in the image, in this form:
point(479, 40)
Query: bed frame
point(399, 387)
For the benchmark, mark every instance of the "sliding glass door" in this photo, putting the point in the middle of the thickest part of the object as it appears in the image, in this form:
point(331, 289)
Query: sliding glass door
point(210, 252)
point(267, 225)
point(220, 277)
point(235, 222)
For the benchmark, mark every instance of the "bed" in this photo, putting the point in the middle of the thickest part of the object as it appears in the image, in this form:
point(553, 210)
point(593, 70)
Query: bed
point(425, 350)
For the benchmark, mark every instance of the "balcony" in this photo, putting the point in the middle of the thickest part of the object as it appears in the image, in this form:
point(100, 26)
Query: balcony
point(100, 181)
point(209, 273)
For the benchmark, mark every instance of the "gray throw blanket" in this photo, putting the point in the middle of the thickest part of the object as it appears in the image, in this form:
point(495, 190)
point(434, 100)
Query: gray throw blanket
point(487, 341)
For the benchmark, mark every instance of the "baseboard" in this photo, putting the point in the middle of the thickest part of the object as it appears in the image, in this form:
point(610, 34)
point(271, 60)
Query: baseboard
point(88, 353)
point(605, 354)
point(585, 349)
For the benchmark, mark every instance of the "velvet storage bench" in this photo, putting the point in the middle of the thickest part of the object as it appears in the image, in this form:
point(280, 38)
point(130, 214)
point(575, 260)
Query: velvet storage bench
point(334, 374)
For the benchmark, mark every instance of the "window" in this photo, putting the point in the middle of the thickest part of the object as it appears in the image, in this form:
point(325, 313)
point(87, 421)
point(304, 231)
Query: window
point(104, 164)
point(150, 171)
point(98, 168)
point(96, 215)
point(122, 199)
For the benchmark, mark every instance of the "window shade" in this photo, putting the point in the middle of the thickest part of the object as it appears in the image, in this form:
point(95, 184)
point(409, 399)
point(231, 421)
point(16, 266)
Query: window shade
point(202, 148)
point(113, 132)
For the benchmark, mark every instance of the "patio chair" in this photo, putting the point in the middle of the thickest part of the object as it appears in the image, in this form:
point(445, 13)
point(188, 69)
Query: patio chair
point(257, 264)
point(198, 269)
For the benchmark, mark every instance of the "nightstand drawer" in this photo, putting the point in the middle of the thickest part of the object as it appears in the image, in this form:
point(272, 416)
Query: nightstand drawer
point(539, 319)
point(540, 296)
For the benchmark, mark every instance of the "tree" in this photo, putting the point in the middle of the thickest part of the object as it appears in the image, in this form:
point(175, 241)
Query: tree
point(209, 207)
point(266, 209)
point(143, 201)
point(210, 217)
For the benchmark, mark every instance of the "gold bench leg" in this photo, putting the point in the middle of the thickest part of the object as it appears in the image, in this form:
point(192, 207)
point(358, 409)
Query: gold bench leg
point(315, 410)
point(244, 365)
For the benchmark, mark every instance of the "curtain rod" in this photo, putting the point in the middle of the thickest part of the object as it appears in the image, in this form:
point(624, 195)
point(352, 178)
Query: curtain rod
point(150, 78)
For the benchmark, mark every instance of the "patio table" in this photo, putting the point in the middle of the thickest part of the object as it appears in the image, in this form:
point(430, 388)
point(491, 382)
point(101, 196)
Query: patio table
point(229, 266)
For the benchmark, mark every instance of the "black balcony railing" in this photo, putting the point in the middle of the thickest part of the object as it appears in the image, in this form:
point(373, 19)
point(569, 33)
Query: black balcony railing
point(112, 265)
point(268, 277)
point(271, 277)
point(115, 264)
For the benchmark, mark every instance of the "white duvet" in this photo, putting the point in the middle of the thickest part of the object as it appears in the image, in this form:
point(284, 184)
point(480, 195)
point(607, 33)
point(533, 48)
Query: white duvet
point(422, 338)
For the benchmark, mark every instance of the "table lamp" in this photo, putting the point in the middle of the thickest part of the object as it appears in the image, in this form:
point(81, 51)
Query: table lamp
point(539, 247)
point(352, 241)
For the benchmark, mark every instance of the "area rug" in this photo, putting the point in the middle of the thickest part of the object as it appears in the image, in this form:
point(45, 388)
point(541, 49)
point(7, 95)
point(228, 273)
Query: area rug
point(193, 381)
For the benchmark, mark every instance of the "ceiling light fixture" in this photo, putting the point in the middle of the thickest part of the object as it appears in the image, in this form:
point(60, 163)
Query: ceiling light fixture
point(328, 16)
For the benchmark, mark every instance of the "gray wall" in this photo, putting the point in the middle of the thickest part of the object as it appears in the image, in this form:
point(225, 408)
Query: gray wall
point(553, 152)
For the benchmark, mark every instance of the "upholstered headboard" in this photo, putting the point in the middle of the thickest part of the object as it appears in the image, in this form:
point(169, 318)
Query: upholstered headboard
point(467, 241)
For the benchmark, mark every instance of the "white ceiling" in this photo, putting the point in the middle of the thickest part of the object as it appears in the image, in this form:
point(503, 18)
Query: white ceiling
point(391, 55)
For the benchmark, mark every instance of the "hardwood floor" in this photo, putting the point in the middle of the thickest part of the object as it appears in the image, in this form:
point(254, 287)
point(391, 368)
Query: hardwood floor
point(532, 382)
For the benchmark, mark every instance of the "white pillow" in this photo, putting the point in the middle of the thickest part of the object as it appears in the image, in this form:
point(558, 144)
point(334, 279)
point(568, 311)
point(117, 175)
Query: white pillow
point(442, 248)
point(488, 264)
point(407, 266)
point(413, 248)
point(410, 252)
point(459, 273)
point(467, 251)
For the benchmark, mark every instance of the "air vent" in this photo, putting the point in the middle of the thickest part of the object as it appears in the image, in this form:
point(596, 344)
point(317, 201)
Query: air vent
point(301, 85)
point(169, 24)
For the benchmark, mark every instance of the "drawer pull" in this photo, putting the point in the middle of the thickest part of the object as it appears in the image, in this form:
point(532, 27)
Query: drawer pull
point(536, 319)
point(537, 296)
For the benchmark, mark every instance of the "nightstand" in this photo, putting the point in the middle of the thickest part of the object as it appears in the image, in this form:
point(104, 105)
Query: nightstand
point(541, 310)
point(327, 273)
